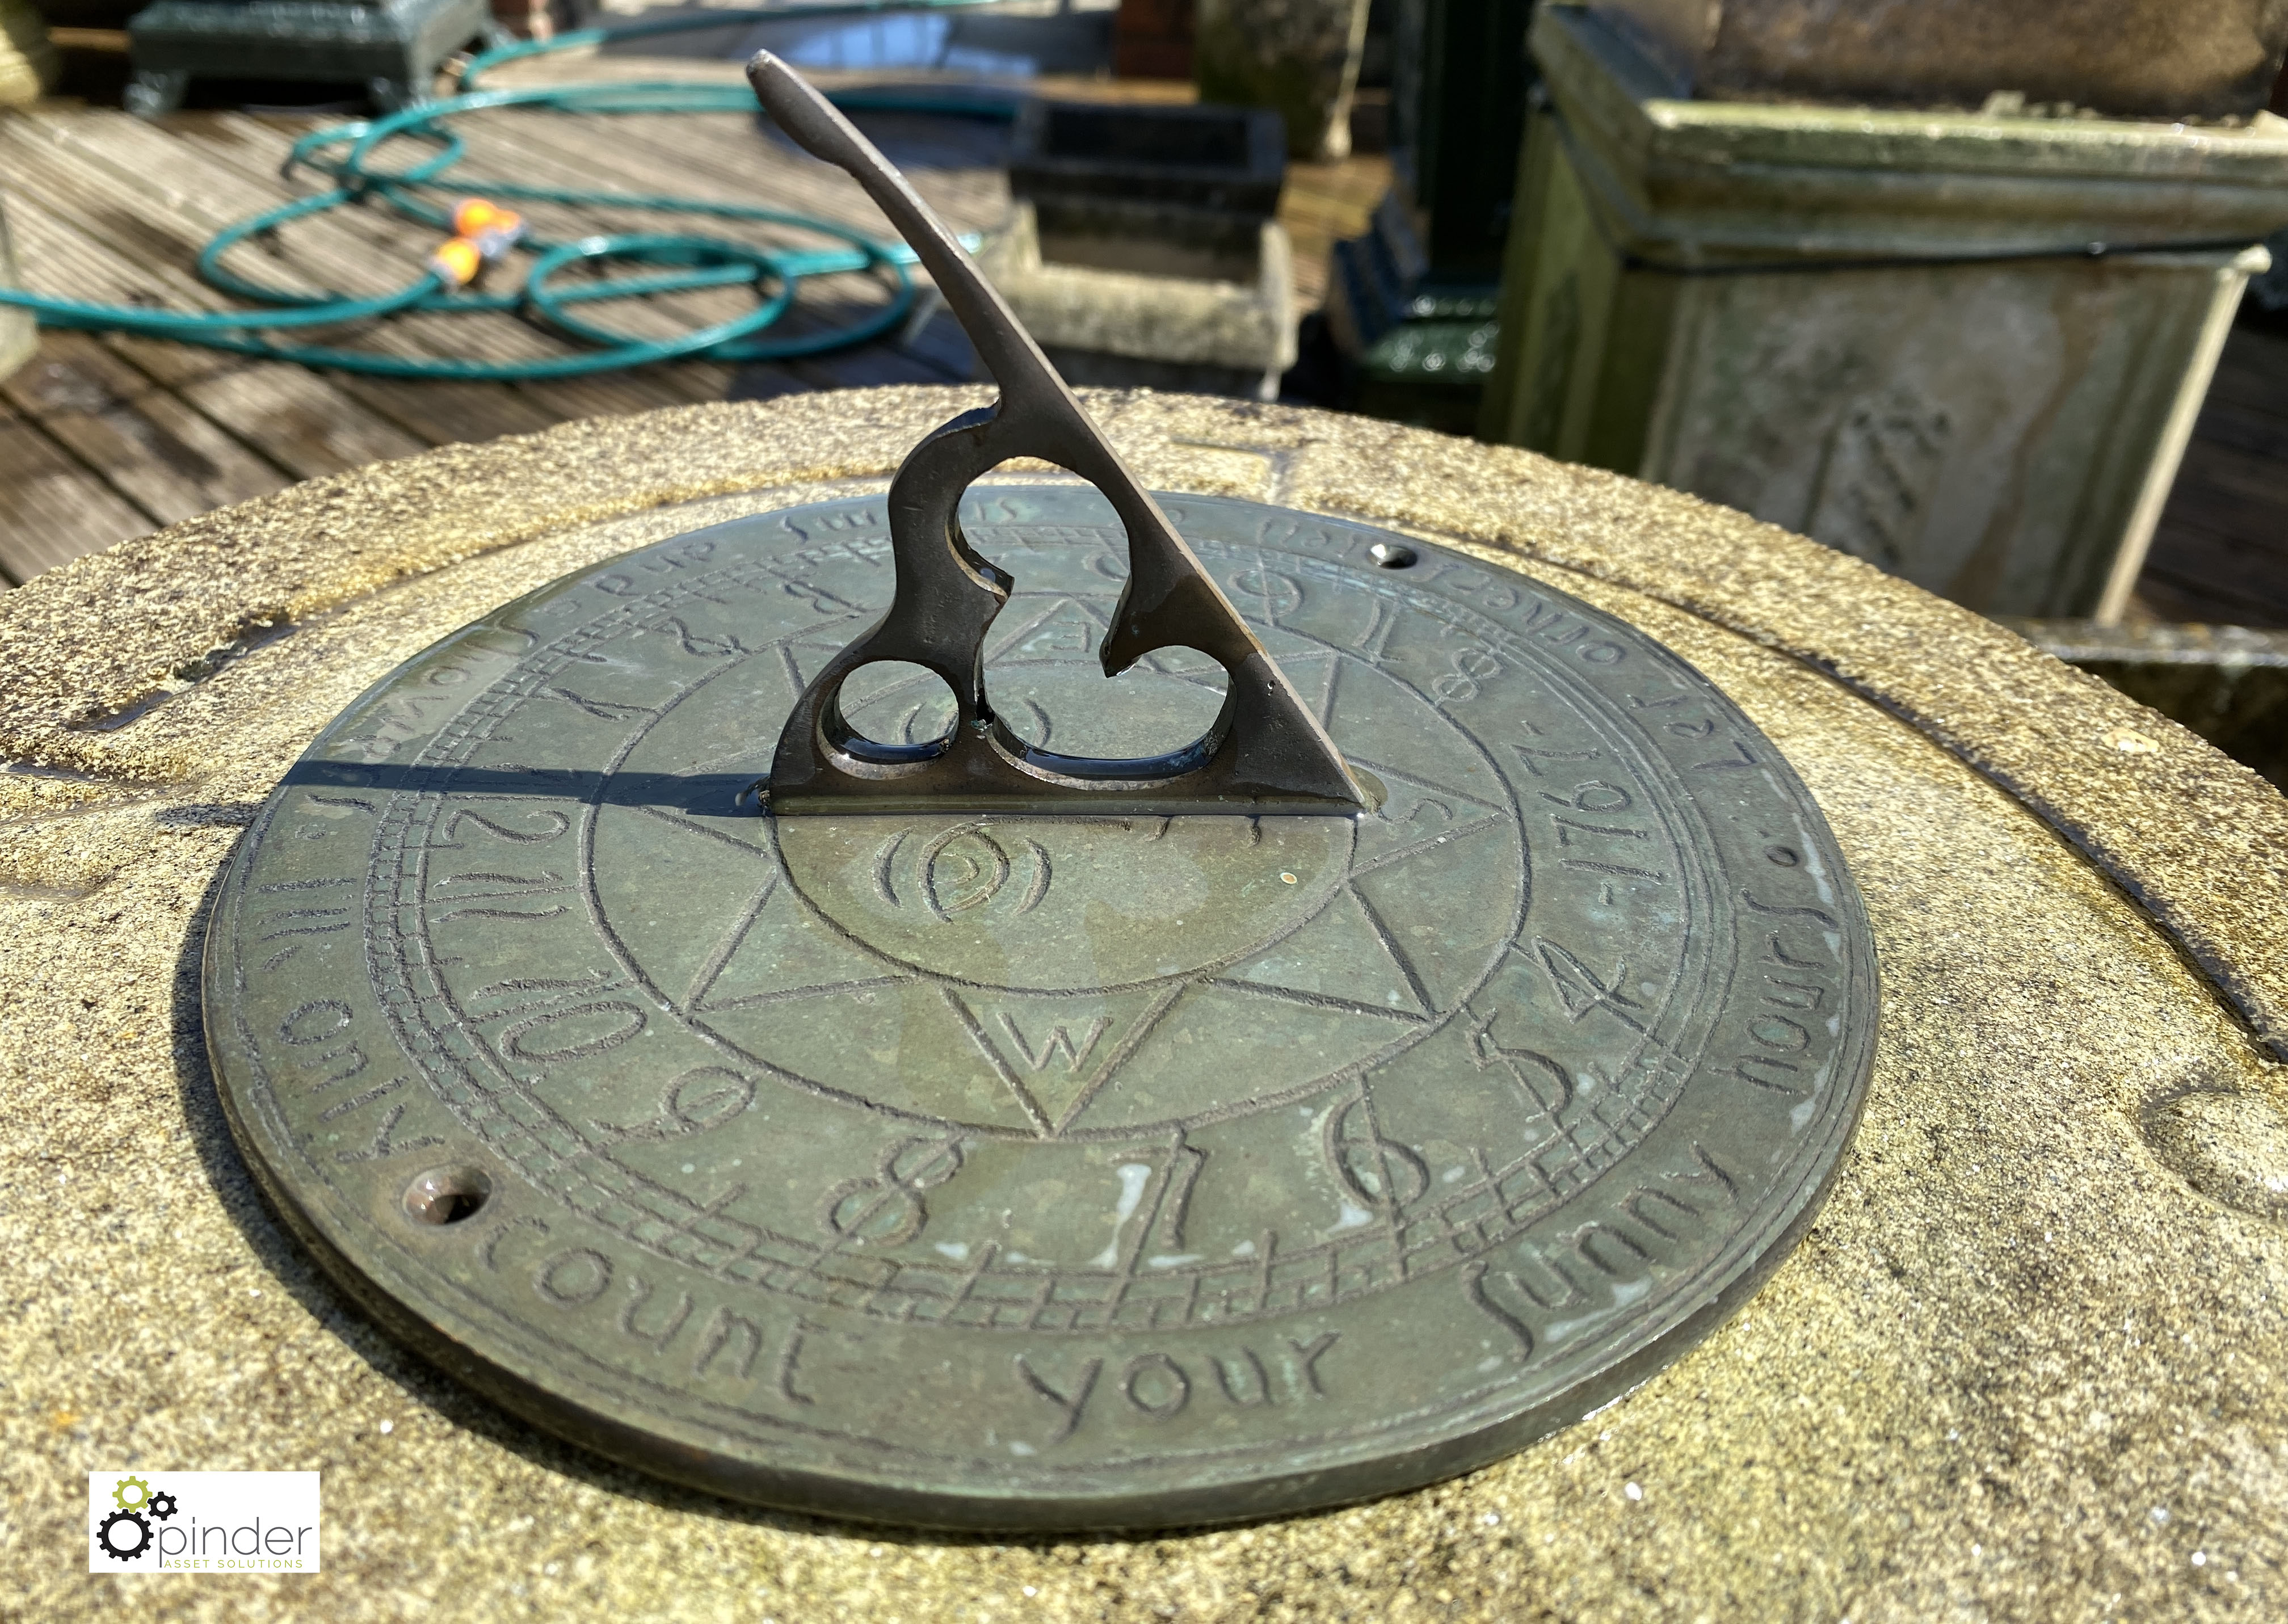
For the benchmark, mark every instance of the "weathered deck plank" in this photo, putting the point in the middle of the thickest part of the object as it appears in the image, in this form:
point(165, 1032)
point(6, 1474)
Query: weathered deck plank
point(298, 418)
point(108, 437)
point(355, 250)
point(55, 510)
point(2220, 554)
point(147, 443)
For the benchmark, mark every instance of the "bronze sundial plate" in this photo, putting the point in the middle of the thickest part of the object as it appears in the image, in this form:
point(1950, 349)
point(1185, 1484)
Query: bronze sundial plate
point(1044, 1172)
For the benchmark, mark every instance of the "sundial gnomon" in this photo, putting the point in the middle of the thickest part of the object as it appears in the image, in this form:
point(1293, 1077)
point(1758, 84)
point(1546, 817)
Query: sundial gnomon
point(1063, 1163)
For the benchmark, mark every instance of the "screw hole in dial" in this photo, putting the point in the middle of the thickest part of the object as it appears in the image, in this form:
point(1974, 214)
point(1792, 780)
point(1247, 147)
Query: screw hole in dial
point(446, 1195)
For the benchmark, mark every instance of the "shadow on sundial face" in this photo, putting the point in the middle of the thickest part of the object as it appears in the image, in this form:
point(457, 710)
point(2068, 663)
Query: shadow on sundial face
point(1065, 905)
point(1061, 904)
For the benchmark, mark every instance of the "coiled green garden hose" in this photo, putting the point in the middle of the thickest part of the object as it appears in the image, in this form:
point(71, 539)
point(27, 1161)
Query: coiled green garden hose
point(425, 191)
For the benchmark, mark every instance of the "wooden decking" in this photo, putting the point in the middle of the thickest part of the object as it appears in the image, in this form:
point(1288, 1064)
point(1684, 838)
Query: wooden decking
point(104, 438)
point(2221, 554)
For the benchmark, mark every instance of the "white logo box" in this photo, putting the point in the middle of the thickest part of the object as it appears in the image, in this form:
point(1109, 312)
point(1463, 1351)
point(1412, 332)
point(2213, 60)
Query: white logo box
point(153, 1522)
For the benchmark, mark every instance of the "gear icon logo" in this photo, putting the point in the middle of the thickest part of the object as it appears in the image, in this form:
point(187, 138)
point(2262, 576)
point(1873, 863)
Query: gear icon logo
point(125, 1535)
point(132, 1530)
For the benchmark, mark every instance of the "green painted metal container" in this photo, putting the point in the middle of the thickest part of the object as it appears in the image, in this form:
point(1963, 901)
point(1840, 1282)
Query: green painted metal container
point(1411, 304)
point(392, 49)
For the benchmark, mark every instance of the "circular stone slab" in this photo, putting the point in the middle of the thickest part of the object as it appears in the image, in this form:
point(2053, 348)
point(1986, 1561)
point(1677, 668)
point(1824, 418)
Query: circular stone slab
point(1044, 1172)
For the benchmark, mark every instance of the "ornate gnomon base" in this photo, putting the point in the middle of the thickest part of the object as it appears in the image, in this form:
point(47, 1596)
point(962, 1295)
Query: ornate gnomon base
point(1137, 1130)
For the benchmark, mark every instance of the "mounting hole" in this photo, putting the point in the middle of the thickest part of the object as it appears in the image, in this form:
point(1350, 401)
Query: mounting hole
point(1393, 556)
point(447, 1195)
point(898, 704)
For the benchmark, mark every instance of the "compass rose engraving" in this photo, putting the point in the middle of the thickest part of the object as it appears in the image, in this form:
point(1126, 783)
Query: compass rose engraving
point(1136, 998)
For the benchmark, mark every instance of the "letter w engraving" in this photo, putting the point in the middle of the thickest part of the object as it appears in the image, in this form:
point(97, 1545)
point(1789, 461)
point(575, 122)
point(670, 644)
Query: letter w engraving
point(1060, 1039)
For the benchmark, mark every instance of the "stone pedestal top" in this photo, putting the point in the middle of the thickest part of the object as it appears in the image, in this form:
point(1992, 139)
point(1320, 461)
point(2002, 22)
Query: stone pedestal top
point(1691, 181)
point(2024, 1364)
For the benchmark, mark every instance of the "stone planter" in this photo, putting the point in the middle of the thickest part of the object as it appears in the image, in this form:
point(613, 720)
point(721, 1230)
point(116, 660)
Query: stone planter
point(1143, 250)
point(1885, 330)
point(394, 50)
point(1300, 57)
point(1228, 160)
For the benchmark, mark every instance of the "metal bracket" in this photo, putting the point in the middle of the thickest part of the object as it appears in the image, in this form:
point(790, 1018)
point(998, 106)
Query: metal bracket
point(1265, 752)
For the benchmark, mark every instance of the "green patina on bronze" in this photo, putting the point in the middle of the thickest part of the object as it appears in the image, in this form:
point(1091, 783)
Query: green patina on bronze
point(1045, 1172)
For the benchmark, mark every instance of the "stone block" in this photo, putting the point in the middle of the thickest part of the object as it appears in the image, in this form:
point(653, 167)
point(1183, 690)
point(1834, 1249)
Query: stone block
point(1223, 158)
point(1298, 56)
point(394, 49)
point(1126, 328)
point(1143, 251)
point(2229, 684)
point(1890, 330)
point(1164, 239)
point(86, 14)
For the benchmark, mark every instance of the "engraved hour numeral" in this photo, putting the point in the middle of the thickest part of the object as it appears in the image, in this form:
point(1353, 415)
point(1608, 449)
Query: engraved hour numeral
point(539, 824)
point(1471, 667)
point(703, 1098)
point(1383, 1174)
point(888, 1209)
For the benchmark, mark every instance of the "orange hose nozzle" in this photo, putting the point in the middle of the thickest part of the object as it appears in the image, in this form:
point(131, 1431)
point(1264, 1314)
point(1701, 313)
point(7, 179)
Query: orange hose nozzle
point(494, 230)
